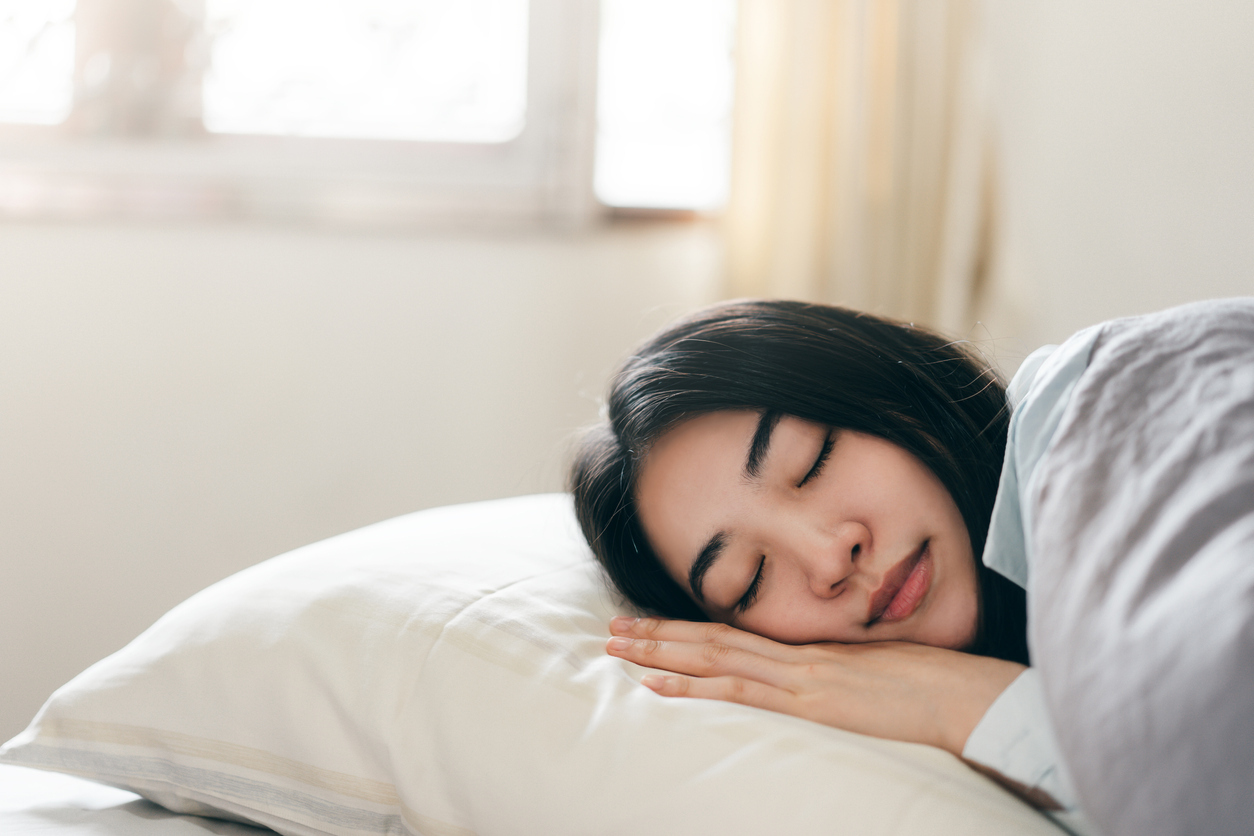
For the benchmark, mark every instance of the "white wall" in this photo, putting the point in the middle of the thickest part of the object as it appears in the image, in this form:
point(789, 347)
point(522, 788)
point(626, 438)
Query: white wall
point(177, 403)
point(1126, 138)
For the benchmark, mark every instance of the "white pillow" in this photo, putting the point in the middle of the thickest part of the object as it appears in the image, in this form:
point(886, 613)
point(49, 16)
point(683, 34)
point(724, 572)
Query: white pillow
point(444, 673)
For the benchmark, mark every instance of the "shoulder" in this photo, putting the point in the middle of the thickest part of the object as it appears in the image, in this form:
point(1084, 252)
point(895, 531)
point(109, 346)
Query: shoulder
point(1038, 394)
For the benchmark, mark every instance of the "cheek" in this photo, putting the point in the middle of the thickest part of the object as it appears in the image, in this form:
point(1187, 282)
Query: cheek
point(802, 621)
point(957, 619)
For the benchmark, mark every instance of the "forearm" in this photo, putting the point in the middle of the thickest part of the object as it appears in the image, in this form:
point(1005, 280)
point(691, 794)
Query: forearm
point(972, 686)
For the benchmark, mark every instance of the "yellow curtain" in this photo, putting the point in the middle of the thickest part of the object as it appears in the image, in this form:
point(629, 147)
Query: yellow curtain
point(860, 168)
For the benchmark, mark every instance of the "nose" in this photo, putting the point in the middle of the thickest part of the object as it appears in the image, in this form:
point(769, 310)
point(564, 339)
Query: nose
point(834, 555)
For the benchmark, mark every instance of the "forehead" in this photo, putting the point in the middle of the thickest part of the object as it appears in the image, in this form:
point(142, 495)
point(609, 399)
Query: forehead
point(713, 443)
point(690, 478)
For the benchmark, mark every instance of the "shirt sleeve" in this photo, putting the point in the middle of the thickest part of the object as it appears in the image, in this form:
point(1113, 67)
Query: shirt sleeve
point(1015, 739)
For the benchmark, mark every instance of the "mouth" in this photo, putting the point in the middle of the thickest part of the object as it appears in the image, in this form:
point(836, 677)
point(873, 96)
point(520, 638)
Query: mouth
point(903, 588)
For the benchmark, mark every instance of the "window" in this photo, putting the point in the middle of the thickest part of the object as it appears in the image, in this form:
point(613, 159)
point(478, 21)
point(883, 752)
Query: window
point(433, 70)
point(664, 103)
point(392, 112)
point(36, 61)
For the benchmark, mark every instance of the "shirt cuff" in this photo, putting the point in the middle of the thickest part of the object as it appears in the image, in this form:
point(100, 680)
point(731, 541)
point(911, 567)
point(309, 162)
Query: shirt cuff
point(1015, 738)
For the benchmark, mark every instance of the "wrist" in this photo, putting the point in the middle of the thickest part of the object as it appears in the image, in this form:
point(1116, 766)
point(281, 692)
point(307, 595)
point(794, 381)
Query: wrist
point(976, 687)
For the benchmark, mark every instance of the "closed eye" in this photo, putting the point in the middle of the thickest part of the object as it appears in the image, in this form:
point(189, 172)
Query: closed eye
point(824, 452)
point(751, 593)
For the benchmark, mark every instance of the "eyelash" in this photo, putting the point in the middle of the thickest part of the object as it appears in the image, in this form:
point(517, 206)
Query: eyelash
point(752, 591)
point(817, 468)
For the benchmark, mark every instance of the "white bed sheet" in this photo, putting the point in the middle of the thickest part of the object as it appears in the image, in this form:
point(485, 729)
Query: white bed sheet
point(38, 803)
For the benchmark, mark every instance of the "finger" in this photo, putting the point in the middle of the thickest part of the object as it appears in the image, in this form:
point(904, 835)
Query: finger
point(726, 688)
point(663, 629)
point(699, 659)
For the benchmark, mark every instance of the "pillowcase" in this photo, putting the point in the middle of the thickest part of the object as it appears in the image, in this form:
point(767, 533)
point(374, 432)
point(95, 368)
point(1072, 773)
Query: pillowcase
point(444, 673)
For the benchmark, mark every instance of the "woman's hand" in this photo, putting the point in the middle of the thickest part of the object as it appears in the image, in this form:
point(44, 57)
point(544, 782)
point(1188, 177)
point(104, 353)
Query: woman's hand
point(897, 690)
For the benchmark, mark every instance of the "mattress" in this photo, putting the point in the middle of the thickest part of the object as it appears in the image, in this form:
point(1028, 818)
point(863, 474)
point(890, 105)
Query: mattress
point(38, 803)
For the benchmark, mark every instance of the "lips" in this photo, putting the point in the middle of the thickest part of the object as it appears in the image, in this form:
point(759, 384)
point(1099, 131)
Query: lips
point(903, 588)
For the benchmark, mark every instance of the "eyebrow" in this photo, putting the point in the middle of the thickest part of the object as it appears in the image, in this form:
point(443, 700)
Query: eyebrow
point(761, 442)
point(713, 547)
point(709, 553)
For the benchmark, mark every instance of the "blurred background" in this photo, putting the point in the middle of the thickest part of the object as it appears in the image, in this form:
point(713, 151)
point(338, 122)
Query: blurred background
point(274, 269)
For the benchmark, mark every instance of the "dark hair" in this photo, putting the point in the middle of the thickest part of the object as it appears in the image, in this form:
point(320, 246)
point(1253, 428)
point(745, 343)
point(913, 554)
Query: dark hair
point(929, 395)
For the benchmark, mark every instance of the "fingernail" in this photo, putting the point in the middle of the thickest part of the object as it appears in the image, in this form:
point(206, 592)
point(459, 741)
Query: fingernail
point(654, 681)
point(618, 643)
point(622, 623)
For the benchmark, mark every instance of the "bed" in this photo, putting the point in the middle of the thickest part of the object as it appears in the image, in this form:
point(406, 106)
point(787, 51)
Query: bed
point(443, 673)
point(35, 801)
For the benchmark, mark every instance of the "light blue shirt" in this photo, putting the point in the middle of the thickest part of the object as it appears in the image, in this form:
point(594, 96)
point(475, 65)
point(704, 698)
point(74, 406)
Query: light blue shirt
point(1015, 736)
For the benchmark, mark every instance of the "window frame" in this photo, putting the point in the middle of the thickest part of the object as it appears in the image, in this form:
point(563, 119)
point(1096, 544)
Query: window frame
point(542, 177)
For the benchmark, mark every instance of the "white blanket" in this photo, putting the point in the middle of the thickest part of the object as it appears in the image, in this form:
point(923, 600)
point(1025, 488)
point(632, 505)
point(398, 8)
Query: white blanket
point(1141, 600)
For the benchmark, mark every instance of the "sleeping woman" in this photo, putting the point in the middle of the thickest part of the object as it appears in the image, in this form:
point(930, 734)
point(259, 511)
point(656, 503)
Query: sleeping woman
point(831, 515)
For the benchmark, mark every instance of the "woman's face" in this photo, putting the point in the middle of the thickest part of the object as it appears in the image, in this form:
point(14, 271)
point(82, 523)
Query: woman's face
point(804, 534)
